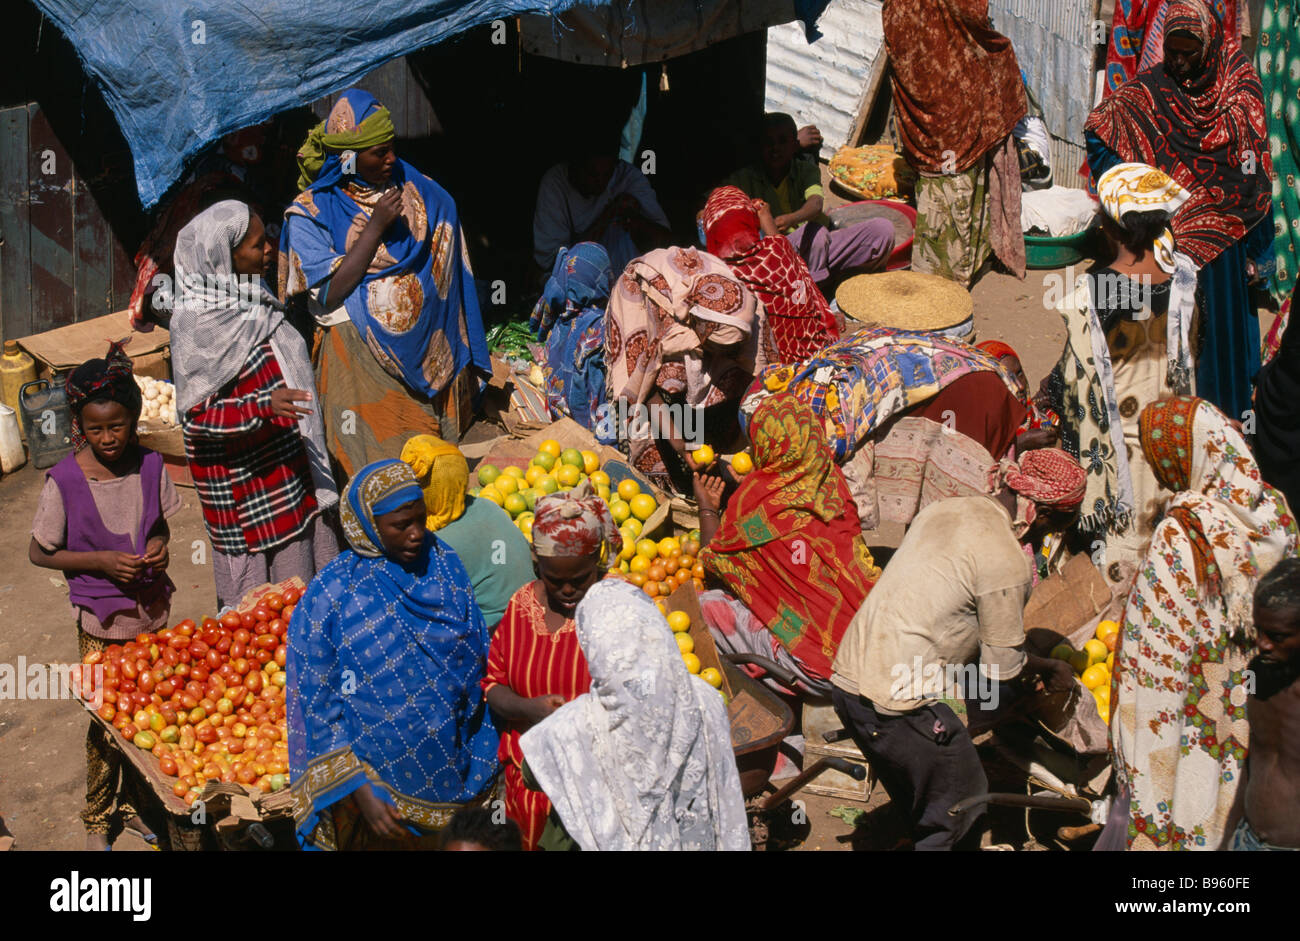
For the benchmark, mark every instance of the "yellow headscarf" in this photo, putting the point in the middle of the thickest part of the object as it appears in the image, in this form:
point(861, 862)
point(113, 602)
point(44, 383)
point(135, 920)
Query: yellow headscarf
point(443, 475)
point(1136, 187)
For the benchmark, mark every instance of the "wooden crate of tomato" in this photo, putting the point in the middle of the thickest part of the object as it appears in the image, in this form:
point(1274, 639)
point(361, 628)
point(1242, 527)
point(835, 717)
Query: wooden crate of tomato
point(202, 704)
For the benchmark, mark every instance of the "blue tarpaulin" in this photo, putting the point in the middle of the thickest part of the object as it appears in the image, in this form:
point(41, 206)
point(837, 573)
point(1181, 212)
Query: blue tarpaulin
point(179, 75)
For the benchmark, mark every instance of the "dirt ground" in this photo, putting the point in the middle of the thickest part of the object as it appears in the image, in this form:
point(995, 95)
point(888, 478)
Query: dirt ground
point(42, 764)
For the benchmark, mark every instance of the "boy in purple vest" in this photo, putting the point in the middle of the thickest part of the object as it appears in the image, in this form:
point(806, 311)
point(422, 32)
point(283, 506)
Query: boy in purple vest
point(101, 520)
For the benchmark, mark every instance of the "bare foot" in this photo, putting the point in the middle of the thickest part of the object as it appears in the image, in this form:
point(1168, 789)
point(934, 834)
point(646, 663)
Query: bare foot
point(96, 842)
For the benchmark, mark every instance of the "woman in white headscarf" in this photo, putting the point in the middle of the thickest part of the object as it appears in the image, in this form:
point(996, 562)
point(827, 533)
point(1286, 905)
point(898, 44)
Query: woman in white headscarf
point(1129, 327)
point(644, 760)
point(246, 401)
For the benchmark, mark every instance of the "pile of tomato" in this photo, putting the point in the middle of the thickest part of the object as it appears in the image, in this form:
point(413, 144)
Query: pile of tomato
point(206, 699)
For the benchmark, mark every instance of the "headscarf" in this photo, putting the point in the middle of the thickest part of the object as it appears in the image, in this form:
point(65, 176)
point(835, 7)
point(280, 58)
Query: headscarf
point(1199, 133)
point(416, 306)
point(800, 319)
point(1137, 187)
point(376, 489)
point(789, 545)
point(569, 318)
point(957, 86)
point(385, 666)
point(1048, 477)
point(220, 318)
point(443, 473)
point(1002, 352)
point(644, 760)
point(356, 121)
point(1179, 740)
point(110, 378)
point(575, 523)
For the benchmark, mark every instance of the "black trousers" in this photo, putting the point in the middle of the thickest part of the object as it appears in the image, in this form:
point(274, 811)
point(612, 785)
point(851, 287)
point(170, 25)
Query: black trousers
point(926, 761)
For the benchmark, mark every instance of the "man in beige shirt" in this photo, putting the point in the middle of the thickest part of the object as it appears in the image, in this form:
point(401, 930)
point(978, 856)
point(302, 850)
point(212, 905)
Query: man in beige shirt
point(945, 620)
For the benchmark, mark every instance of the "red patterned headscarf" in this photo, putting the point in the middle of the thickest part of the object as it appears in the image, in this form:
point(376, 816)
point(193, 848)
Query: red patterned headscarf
point(1209, 134)
point(575, 523)
point(800, 318)
point(111, 379)
point(1049, 477)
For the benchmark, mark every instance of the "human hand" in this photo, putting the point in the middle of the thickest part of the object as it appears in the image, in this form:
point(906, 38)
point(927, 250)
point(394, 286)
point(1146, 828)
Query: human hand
point(809, 137)
point(539, 707)
point(282, 403)
point(155, 554)
point(387, 208)
point(121, 567)
point(708, 491)
point(1041, 437)
point(766, 222)
point(1057, 676)
point(383, 818)
point(782, 222)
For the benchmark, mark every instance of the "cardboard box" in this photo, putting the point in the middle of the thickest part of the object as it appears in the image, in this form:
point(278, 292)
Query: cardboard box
point(66, 348)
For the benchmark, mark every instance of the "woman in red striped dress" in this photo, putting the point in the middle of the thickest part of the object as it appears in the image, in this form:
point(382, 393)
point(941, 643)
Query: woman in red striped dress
point(535, 664)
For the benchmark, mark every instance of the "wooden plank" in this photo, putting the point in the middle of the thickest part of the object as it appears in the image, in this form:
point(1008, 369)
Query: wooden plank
point(50, 188)
point(421, 121)
point(388, 84)
point(866, 104)
point(15, 226)
point(92, 255)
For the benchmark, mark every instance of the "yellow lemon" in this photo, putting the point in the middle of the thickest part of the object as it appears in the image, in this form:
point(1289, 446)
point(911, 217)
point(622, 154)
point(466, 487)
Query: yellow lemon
point(742, 463)
point(590, 462)
point(703, 455)
point(568, 475)
point(662, 606)
point(1110, 662)
point(629, 550)
point(514, 505)
point(544, 460)
point(598, 477)
point(507, 484)
point(647, 549)
point(547, 484)
point(1096, 651)
point(712, 677)
point(534, 473)
point(512, 471)
point(638, 563)
point(603, 492)
point(1106, 629)
point(667, 545)
point(620, 511)
point(550, 446)
point(627, 489)
point(633, 525)
point(643, 506)
point(684, 643)
point(679, 621)
point(526, 527)
point(692, 662)
point(525, 517)
point(1095, 676)
point(492, 494)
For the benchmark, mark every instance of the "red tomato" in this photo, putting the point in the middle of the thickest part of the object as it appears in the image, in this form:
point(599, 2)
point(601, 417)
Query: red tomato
point(247, 621)
point(276, 627)
point(273, 600)
point(199, 672)
point(107, 712)
point(167, 765)
point(140, 700)
point(241, 666)
point(222, 644)
point(241, 636)
point(125, 686)
point(110, 692)
point(146, 683)
point(231, 621)
point(205, 733)
point(179, 641)
point(287, 614)
point(281, 655)
point(95, 656)
point(182, 669)
point(208, 705)
point(128, 730)
point(171, 656)
point(129, 672)
point(168, 712)
point(267, 641)
point(253, 682)
point(237, 650)
point(186, 627)
point(188, 700)
point(211, 622)
point(262, 614)
point(199, 648)
point(291, 596)
point(144, 640)
point(236, 694)
point(263, 656)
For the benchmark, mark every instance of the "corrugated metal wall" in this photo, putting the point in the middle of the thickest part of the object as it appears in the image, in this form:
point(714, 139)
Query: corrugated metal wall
point(1053, 43)
point(822, 83)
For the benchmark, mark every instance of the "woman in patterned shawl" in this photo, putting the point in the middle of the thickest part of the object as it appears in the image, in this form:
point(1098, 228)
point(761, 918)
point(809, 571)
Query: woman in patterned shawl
point(377, 248)
point(388, 731)
point(680, 330)
point(570, 319)
point(742, 233)
point(788, 549)
point(1199, 117)
point(1178, 714)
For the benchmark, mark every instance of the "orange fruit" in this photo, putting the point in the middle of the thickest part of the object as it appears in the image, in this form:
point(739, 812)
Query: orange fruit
point(679, 621)
point(550, 446)
point(650, 588)
point(656, 571)
point(643, 506)
point(692, 662)
point(627, 489)
point(703, 455)
point(667, 545)
point(684, 642)
point(682, 576)
point(742, 463)
point(568, 475)
point(637, 578)
point(591, 463)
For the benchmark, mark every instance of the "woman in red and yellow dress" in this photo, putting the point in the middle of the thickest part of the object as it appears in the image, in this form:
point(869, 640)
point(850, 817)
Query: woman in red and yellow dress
point(535, 664)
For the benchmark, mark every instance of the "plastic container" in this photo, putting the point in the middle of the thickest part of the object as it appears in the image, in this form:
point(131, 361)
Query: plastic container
point(48, 420)
point(16, 370)
point(12, 455)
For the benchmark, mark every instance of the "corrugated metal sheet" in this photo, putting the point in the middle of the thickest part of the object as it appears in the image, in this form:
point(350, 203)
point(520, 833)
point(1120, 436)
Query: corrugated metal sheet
point(821, 83)
point(1053, 43)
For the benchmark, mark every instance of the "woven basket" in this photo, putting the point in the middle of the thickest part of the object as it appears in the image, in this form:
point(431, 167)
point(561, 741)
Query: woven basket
point(905, 300)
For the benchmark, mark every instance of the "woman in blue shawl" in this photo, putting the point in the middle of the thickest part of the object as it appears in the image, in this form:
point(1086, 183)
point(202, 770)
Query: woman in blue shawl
point(388, 732)
point(570, 319)
point(376, 247)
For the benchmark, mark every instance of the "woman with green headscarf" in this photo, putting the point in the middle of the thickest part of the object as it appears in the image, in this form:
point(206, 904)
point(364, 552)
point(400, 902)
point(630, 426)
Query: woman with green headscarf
point(376, 247)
